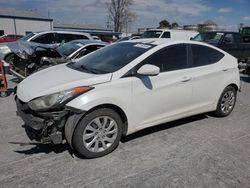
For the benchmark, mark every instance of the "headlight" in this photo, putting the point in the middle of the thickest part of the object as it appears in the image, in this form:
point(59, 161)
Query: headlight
point(22, 55)
point(50, 101)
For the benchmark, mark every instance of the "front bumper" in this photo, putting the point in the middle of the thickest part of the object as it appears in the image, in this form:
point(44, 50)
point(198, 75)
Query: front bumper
point(43, 126)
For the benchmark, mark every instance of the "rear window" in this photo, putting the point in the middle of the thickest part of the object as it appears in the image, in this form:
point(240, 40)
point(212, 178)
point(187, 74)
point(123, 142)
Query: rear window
point(152, 34)
point(203, 55)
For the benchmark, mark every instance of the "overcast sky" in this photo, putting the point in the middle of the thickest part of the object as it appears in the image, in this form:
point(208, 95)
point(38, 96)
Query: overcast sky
point(227, 13)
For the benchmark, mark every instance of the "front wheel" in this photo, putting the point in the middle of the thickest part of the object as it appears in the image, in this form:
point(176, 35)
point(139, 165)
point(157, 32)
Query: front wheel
point(226, 102)
point(98, 133)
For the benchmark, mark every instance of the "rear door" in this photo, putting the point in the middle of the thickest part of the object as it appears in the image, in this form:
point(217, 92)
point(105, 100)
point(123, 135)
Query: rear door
point(167, 95)
point(207, 73)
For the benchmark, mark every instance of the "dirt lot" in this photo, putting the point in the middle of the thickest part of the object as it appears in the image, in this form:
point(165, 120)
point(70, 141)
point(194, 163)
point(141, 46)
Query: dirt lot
point(201, 151)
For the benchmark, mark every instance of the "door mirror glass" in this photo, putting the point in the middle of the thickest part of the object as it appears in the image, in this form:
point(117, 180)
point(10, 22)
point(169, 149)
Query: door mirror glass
point(148, 70)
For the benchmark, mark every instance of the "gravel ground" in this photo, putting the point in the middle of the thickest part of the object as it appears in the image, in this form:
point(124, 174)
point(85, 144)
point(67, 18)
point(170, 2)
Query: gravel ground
point(200, 151)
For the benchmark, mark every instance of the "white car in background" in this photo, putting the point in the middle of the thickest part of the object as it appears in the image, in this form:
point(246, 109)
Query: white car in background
point(170, 34)
point(51, 38)
point(126, 87)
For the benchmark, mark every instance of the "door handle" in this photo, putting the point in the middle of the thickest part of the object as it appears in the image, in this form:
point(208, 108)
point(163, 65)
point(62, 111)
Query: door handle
point(225, 69)
point(186, 79)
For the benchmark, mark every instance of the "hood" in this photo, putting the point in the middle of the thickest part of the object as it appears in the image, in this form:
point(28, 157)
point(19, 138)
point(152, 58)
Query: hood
point(56, 79)
point(21, 46)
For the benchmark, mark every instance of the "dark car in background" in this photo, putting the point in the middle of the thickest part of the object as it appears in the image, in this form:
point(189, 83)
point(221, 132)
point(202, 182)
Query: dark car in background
point(231, 42)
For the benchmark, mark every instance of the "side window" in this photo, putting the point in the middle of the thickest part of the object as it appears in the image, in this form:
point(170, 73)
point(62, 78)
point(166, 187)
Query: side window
point(166, 35)
point(229, 38)
point(203, 55)
point(64, 37)
point(170, 58)
point(81, 37)
point(45, 38)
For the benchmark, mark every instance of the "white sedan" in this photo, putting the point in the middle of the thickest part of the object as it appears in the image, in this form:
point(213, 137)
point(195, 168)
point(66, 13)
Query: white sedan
point(126, 87)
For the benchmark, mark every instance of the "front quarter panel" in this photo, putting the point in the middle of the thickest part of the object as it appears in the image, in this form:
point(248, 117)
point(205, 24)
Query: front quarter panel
point(118, 93)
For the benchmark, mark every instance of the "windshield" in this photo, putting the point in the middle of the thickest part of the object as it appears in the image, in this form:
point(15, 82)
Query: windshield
point(28, 36)
point(213, 37)
point(69, 48)
point(152, 34)
point(111, 58)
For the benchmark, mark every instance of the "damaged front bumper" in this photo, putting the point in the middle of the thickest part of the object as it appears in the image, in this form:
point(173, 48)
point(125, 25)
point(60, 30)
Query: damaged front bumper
point(43, 126)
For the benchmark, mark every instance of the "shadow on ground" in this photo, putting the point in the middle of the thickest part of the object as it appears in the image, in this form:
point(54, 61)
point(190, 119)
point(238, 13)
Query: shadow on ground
point(42, 148)
point(48, 148)
point(162, 127)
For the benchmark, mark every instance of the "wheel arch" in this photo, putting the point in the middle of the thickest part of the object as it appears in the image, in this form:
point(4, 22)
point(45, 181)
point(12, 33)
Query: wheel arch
point(235, 86)
point(74, 119)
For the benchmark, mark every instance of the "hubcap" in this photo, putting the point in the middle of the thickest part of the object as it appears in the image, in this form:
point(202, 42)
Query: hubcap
point(227, 102)
point(100, 134)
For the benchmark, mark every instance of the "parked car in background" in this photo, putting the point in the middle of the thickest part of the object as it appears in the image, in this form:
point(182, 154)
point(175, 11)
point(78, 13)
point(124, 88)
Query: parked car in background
point(31, 57)
point(128, 38)
point(230, 42)
point(10, 38)
point(169, 33)
point(51, 38)
point(96, 38)
point(126, 87)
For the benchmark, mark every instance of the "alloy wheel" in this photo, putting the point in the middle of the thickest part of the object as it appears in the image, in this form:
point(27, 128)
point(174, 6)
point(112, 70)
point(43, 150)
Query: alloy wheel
point(100, 134)
point(227, 102)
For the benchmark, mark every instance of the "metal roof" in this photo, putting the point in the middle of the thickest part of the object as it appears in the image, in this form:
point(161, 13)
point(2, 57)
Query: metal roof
point(28, 15)
point(80, 26)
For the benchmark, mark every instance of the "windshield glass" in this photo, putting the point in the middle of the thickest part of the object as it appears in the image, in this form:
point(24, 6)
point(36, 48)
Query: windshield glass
point(26, 37)
point(151, 34)
point(111, 58)
point(69, 48)
point(208, 37)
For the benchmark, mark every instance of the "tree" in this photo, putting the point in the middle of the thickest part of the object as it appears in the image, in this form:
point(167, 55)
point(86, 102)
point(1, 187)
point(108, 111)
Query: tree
point(120, 14)
point(174, 25)
point(164, 24)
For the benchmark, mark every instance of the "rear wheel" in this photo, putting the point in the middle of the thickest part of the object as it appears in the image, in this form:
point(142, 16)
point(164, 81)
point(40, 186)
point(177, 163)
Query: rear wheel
point(98, 133)
point(226, 102)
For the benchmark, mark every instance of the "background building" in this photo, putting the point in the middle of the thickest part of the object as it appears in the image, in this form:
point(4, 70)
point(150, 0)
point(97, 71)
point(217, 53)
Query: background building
point(22, 22)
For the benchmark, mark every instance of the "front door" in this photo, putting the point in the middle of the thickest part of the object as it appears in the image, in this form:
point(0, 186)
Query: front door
point(157, 99)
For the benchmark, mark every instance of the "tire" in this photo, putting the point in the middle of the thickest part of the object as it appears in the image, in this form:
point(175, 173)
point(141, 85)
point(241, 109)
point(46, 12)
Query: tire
point(226, 102)
point(10, 59)
point(98, 133)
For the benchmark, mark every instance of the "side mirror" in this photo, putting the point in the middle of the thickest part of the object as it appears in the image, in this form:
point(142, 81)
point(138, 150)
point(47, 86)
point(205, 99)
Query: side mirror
point(191, 38)
point(148, 70)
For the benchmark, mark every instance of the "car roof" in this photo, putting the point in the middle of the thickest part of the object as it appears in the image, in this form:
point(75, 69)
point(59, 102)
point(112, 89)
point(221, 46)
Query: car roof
point(66, 32)
point(219, 32)
point(166, 42)
point(172, 30)
point(85, 42)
